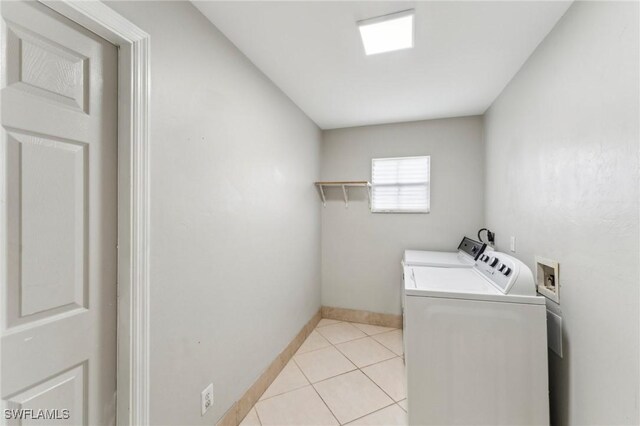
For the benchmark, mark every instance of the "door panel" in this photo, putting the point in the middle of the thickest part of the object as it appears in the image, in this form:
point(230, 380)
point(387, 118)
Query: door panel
point(48, 173)
point(63, 390)
point(59, 127)
point(38, 65)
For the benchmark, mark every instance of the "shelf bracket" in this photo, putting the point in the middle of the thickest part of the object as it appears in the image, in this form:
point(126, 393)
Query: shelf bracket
point(324, 200)
point(346, 198)
point(345, 185)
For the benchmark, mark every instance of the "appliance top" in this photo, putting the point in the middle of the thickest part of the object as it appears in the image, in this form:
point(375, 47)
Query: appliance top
point(439, 259)
point(465, 257)
point(496, 276)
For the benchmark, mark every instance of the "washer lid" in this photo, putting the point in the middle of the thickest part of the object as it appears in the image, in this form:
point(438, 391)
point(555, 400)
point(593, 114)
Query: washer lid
point(458, 283)
point(440, 259)
point(456, 280)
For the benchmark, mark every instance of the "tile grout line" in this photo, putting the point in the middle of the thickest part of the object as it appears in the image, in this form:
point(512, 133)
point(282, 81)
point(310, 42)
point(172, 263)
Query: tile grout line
point(317, 393)
point(386, 345)
point(373, 363)
point(373, 381)
point(258, 415)
point(395, 355)
point(327, 339)
point(333, 377)
point(325, 404)
point(365, 374)
point(282, 393)
point(394, 402)
point(330, 377)
point(313, 350)
point(290, 390)
point(378, 362)
point(375, 334)
point(360, 369)
point(373, 412)
point(337, 375)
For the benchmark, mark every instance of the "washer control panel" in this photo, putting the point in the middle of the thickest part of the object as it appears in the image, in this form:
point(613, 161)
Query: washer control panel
point(499, 268)
point(472, 247)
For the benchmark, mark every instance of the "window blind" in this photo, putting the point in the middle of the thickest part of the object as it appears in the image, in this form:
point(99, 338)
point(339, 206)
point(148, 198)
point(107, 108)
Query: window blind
point(400, 184)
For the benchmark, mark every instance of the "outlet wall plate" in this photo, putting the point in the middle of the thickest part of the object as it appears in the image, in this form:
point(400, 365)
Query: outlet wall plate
point(206, 399)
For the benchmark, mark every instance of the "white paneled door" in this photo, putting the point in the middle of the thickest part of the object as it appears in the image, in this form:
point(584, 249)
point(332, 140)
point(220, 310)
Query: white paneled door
point(59, 167)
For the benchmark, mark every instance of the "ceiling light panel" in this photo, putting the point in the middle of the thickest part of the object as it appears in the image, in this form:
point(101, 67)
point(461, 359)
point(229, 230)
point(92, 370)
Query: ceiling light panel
point(387, 33)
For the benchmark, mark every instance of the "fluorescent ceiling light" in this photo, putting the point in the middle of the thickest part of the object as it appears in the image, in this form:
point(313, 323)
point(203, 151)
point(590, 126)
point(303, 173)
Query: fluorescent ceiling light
point(387, 33)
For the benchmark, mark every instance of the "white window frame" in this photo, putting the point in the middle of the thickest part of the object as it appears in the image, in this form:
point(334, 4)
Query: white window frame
point(428, 187)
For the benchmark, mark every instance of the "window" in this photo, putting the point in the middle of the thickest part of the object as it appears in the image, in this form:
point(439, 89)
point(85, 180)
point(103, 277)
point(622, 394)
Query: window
point(400, 184)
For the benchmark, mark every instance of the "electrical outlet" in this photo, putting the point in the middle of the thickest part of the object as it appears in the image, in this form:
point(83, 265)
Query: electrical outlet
point(206, 398)
point(513, 244)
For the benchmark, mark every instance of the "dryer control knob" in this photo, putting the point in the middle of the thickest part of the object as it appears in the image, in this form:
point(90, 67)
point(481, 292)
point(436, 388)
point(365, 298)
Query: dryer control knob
point(506, 271)
point(494, 262)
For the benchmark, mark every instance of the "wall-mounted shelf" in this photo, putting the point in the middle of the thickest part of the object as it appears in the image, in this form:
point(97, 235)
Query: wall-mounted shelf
point(344, 185)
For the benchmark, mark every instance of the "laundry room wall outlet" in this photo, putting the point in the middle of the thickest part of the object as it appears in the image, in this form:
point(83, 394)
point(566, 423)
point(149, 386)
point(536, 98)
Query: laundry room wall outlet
point(206, 398)
point(548, 278)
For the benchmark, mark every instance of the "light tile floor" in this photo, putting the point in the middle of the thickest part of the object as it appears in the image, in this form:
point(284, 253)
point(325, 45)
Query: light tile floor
point(344, 373)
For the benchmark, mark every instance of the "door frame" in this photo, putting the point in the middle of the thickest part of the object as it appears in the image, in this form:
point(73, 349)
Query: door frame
point(133, 199)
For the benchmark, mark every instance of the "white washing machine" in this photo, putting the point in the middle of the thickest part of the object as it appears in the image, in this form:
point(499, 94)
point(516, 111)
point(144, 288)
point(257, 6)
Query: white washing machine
point(468, 251)
point(465, 257)
point(475, 344)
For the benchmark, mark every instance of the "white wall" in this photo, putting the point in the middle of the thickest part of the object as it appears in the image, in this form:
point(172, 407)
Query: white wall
point(562, 176)
point(235, 227)
point(361, 251)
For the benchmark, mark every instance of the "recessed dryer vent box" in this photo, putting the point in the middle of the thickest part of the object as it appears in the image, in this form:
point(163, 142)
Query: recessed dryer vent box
point(547, 278)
